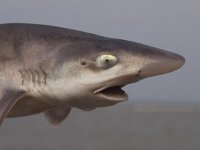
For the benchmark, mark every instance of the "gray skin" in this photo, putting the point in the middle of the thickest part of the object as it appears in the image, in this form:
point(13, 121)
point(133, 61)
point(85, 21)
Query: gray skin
point(51, 69)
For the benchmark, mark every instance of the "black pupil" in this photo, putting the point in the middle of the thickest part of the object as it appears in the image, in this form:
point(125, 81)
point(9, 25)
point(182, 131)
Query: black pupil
point(107, 60)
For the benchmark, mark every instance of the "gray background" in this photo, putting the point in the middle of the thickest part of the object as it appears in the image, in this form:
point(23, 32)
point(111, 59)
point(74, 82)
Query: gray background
point(150, 119)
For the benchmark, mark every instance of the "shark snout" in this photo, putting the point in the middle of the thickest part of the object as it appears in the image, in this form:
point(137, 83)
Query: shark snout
point(167, 63)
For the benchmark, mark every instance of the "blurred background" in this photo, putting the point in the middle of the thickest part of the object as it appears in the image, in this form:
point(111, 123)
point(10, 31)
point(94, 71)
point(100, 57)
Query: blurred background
point(162, 112)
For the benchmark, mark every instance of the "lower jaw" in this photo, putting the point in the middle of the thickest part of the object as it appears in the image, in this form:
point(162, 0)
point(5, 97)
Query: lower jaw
point(115, 94)
point(92, 102)
point(113, 99)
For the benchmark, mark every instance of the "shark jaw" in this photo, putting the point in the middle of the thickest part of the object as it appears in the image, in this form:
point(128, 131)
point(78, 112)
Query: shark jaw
point(112, 91)
point(115, 93)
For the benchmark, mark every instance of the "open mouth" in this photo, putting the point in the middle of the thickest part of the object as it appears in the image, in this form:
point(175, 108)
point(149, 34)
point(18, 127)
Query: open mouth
point(113, 90)
point(114, 93)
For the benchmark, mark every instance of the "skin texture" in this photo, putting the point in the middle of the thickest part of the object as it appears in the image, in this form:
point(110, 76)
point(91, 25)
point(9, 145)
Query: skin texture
point(50, 69)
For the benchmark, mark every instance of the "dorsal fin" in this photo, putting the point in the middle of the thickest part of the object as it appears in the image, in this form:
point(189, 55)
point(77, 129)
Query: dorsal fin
point(55, 115)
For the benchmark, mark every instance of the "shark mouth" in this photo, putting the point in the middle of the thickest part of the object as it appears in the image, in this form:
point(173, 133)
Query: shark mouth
point(114, 93)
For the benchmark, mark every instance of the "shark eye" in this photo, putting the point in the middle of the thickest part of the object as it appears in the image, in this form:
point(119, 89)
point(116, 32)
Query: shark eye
point(106, 61)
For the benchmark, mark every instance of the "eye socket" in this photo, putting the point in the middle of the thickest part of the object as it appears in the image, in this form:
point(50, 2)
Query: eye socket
point(106, 61)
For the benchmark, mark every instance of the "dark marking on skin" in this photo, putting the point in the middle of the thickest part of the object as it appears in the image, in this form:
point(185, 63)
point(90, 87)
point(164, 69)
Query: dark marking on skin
point(83, 63)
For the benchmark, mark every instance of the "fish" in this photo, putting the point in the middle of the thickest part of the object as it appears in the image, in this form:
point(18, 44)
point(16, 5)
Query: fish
point(50, 70)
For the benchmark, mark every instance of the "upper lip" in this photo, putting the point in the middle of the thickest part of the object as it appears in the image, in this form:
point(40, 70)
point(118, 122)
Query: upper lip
point(120, 81)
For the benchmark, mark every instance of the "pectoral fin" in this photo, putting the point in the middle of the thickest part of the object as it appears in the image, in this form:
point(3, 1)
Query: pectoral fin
point(8, 99)
point(57, 114)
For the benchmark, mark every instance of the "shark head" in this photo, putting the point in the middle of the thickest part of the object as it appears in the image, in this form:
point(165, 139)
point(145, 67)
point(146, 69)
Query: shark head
point(101, 67)
point(51, 69)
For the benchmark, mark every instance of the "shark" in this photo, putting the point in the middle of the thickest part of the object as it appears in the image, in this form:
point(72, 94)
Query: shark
point(50, 70)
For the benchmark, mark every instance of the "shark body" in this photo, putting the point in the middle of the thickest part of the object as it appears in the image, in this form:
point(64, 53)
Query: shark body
point(51, 69)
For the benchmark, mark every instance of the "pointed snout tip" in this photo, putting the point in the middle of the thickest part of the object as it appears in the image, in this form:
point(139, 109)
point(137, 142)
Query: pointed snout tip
point(174, 63)
point(163, 66)
point(180, 61)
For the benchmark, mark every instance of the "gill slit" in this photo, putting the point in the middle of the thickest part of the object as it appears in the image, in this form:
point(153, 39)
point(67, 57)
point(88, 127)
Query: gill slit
point(33, 78)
